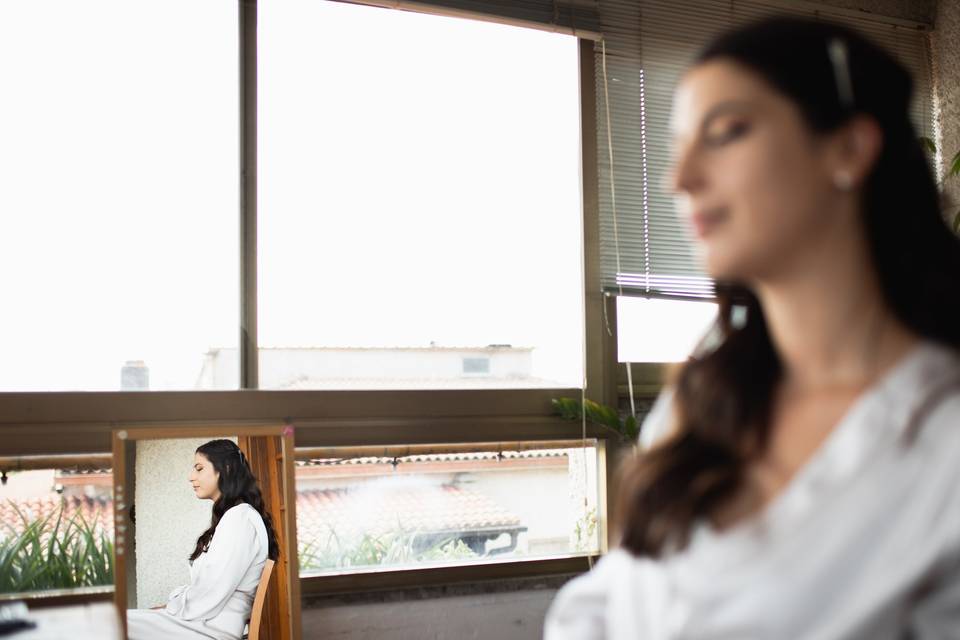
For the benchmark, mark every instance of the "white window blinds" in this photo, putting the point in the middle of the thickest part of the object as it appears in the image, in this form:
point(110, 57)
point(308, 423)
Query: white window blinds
point(645, 247)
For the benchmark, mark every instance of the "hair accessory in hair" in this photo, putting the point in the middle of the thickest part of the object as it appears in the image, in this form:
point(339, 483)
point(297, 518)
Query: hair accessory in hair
point(839, 58)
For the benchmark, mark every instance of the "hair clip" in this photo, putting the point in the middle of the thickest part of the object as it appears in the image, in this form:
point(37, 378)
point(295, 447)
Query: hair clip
point(837, 50)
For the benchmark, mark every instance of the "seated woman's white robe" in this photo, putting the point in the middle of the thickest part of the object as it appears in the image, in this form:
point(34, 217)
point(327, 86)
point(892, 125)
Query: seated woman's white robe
point(863, 543)
point(223, 582)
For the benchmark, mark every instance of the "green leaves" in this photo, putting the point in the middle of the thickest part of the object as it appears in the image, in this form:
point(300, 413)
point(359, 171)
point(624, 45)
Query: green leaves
point(930, 146)
point(54, 553)
point(599, 414)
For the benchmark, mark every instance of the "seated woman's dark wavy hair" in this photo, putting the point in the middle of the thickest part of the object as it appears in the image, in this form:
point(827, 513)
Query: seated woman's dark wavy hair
point(236, 484)
point(723, 397)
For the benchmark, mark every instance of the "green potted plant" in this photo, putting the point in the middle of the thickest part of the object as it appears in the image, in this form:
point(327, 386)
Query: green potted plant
point(626, 428)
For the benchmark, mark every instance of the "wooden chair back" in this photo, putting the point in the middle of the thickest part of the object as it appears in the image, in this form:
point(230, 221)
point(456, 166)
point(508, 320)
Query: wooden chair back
point(257, 611)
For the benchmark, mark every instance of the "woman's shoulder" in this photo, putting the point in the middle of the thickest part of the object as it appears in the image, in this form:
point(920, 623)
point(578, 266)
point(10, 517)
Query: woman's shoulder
point(605, 598)
point(614, 569)
point(240, 514)
point(925, 394)
point(243, 515)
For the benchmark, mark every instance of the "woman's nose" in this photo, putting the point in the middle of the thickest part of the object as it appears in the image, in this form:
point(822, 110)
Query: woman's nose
point(685, 175)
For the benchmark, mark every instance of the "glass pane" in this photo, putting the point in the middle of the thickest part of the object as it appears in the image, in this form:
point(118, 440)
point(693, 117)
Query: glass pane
point(119, 158)
point(445, 508)
point(73, 507)
point(653, 330)
point(420, 207)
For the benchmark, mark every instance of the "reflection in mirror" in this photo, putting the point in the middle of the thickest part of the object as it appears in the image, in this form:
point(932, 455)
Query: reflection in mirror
point(198, 519)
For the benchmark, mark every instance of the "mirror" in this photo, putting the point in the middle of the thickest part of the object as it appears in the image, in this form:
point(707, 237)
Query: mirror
point(158, 519)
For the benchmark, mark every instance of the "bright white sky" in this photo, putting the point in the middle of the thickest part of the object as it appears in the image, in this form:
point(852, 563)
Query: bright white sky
point(419, 181)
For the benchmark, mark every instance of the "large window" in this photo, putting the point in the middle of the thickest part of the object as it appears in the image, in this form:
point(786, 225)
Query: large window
point(118, 212)
point(420, 252)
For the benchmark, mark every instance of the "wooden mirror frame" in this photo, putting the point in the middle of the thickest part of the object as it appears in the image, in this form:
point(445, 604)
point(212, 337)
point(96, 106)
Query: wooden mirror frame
point(269, 450)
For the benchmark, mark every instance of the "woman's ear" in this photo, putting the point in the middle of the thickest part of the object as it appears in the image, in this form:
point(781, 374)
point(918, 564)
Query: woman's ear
point(855, 149)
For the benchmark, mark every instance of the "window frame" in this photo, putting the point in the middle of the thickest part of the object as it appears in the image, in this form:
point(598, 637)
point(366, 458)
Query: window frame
point(77, 423)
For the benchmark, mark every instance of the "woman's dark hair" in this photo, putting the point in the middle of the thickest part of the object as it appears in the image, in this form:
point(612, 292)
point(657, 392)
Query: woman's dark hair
point(723, 397)
point(236, 484)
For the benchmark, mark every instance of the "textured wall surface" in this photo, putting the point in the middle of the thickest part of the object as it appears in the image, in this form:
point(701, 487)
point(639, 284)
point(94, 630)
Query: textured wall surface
point(169, 517)
point(946, 85)
point(504, 610)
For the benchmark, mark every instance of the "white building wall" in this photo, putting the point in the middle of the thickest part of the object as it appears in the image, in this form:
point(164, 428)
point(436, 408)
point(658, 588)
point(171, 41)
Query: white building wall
point(538, 497)
point(286, 368)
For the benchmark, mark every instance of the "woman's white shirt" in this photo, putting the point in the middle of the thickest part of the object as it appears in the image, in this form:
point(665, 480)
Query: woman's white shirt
point(223, 583)
point(863, 543)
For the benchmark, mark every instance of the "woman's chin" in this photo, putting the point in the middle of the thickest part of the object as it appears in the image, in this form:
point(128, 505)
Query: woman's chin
point(723, 267)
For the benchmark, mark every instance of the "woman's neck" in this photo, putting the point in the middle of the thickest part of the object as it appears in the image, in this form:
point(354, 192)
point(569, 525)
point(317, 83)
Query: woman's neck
point(830, 324)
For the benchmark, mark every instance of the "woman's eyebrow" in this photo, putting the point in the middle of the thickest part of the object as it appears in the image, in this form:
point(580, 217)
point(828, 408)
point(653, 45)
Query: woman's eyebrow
point(717, 110)
point(723, 108)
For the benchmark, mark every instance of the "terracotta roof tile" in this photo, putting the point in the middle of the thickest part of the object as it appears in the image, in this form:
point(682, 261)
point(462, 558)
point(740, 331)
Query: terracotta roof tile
point(99, 510)
point(427, 509)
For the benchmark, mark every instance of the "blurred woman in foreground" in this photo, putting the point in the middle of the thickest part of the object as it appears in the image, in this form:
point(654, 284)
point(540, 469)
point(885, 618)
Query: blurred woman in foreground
point(800, 475)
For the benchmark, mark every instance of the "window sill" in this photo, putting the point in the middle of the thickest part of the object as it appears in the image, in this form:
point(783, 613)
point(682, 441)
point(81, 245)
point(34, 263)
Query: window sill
point(60, 597)
point(381, 580)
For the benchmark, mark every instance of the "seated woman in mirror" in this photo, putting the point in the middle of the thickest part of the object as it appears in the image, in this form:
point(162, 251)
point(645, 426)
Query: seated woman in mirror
point(226, 563)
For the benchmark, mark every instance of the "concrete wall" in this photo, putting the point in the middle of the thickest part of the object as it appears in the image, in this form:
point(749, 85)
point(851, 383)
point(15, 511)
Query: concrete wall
point(945, 54)
point(491, 611)
point(169, 517)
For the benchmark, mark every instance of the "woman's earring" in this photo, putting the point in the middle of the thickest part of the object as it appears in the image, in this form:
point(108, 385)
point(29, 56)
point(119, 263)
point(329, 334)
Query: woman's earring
point(842, 180)
point(738, 316)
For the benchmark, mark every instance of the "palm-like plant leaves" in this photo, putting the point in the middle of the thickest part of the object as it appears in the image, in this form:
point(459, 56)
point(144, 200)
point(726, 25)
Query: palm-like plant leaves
point(54, 552)
point(596, 413)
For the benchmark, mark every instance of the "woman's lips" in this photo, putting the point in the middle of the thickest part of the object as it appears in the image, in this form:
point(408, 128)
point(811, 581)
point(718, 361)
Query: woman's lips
point(705, 221)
